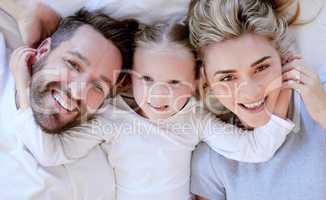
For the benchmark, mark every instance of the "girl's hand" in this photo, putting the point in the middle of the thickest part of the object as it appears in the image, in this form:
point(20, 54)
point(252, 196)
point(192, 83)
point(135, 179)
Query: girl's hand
point(20, 65)
point(35, 20)
point(304, 80)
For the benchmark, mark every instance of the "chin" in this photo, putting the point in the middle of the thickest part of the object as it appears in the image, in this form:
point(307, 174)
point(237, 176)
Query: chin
point(255, 122)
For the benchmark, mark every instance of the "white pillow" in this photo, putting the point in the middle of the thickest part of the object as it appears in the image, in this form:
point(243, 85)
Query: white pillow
point(311, 38)
point(146, 11)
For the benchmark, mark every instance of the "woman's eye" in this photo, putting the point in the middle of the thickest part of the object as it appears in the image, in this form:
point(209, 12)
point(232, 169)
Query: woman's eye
point(227, 78)
point(261, 68)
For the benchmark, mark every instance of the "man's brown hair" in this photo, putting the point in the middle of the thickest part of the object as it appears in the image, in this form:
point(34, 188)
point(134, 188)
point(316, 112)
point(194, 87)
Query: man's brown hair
point(120, 33)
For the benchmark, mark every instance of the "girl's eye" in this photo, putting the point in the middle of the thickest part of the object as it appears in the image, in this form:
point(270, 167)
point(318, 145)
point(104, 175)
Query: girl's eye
point(262, 68)
point(174, 82)
point(227, 78)
point(147, 79)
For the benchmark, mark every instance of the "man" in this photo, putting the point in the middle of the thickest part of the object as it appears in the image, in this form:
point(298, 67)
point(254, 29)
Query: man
point(74, 71)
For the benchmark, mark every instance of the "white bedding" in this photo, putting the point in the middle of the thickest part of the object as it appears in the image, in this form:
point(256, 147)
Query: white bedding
point(146, 11)
point(21, 178)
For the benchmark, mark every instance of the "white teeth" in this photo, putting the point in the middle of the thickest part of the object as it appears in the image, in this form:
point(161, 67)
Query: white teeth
point(255, 105)
point(61, 100)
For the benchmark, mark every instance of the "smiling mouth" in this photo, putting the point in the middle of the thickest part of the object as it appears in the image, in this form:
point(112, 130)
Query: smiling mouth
point(159, 108)
point(64, 102)
point(257, 106)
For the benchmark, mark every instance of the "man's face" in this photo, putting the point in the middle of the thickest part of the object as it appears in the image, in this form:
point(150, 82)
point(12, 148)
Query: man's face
point(71, 82)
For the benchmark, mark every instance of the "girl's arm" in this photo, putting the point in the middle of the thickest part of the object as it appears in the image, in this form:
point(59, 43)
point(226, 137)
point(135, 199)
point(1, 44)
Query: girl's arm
point(36, 21)
point(61, 148)
point(254, 146)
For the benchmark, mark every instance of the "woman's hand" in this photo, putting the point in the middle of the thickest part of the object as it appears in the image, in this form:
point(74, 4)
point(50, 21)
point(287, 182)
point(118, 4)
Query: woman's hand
point(20, 66)
point(304, 80)
point(284, 98)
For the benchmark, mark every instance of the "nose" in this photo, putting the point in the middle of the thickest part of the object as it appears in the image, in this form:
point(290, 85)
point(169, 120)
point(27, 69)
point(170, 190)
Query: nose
point(250, 90)
point(77, 88)
point(159, 94)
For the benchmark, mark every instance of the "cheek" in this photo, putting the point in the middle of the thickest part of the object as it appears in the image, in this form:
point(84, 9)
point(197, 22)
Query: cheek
point(139, 91)
point(271, 80)
point(224, 92)
point(181, 96)
point(94, 99)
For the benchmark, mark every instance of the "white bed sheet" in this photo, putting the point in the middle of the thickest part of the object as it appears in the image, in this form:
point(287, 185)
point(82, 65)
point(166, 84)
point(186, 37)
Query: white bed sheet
point(21, 178)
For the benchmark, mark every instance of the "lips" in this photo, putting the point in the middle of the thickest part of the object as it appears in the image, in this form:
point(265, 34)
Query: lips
point(254, 106)
point(159, 108)
point(66, 103)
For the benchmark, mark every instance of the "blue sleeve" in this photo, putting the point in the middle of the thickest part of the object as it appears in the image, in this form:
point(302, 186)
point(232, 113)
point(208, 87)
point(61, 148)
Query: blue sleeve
point(204, 180)
point(323, 79)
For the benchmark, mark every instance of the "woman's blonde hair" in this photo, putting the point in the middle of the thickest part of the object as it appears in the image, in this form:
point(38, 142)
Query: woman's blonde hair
point(213, 21)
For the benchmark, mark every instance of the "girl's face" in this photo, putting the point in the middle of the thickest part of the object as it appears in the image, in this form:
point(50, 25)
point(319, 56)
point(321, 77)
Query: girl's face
point(245, 75)
point(162, 81)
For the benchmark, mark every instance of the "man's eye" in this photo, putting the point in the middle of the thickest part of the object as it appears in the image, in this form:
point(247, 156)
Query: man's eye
point(98, 87)
point(147, 79)
point(227, 78)
point(73, 65)
point(262, 68)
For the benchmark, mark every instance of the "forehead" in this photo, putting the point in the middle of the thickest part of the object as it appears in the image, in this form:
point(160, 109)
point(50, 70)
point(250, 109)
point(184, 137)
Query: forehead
point(238, 53)
point(163, 63)
point(92, 44)
point(102, 55)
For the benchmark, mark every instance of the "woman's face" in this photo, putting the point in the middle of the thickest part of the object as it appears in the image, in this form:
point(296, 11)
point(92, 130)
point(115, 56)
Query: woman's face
point(245, 75)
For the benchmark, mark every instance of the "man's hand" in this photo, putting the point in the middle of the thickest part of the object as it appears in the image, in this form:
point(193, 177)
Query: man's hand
point(36, 21)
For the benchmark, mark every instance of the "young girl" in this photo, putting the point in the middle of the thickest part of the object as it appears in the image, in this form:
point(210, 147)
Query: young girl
point(149, 138)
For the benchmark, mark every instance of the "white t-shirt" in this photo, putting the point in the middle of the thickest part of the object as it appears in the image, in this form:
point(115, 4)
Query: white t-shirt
point(21, 175)
point(146, 11)
point(151, 160)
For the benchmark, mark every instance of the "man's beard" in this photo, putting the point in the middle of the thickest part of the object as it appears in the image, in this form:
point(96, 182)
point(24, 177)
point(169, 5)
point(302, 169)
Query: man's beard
point(40, 89)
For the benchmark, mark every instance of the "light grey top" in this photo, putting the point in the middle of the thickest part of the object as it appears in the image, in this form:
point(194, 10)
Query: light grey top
point(297, 171)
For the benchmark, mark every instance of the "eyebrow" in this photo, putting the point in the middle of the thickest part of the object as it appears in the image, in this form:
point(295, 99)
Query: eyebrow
point(80, 56)
point(252, 65)
point(260, 61)
point(224, 72)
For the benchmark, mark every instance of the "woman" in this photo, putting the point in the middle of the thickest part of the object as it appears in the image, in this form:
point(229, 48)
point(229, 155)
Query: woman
point(243, 45)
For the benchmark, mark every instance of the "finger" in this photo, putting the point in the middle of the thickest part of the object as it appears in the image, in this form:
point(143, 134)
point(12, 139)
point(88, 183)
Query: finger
point(18, 52)
point(297, 76)
point(301, 67)
point(28, 55)
point(290, 58)
point(292, 65)
point(291, 84)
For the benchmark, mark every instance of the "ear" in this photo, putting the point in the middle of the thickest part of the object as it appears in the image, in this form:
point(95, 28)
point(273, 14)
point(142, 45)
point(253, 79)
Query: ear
point(43, 49)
